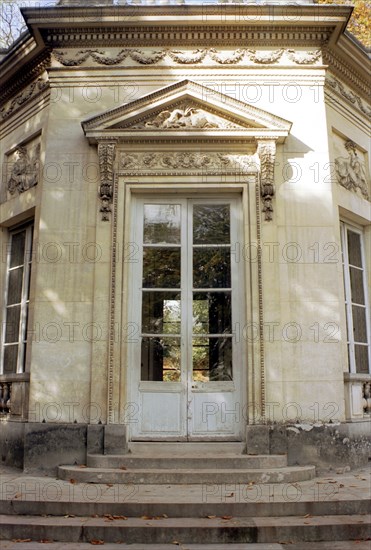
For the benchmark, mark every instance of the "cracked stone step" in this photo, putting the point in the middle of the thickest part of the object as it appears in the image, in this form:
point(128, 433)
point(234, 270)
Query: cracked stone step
point(332, 545)
point(188, 530)
point(93, 504)
point(185, 462)
point(290, 474)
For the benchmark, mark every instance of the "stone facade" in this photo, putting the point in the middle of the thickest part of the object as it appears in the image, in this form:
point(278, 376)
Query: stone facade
point(263, 104)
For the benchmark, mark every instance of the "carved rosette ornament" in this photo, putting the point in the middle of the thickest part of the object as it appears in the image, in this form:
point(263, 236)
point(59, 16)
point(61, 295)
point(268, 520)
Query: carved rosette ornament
point(267, 154)
point(106, 155)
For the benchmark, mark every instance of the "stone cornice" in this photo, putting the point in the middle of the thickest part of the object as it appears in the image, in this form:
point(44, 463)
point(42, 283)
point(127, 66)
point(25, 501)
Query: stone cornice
point(19, 80)
point(355, 72)
point(202, 35)
point(232, 25)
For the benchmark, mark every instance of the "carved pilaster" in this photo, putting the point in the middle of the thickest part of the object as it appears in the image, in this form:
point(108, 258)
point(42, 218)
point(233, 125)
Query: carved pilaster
point(267, 154)
point(106, 155)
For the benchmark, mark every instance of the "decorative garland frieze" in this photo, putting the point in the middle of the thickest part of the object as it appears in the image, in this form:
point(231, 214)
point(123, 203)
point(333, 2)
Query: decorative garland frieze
point(339, 87)
point(347, 72)
point(267, 154)
point(188, 57)
point(168, 163)
point(26, 95)
point(31, 71)
point(304, 58)
point(106, 156)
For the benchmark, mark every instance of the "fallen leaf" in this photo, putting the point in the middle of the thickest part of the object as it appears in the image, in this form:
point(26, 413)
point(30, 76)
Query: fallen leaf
point(226, 517)
point(45, 541)
point(96, 542)
point(123, 468)
point(82, 466)
point(69, 516)
point(147, 517)
point(211, 517)
point(164, 516)
point(21, 540)
point(308, 516)
point(72, 480)
point(119, 517)
point(109, 484)
point(17, 495)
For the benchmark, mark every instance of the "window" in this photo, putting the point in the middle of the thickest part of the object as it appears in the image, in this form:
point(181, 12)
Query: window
point(356, 305)
point(14, 333)
point(187, 290)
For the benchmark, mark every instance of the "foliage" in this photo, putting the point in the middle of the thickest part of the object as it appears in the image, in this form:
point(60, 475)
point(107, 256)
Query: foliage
point(359, 24)
point(11, 23)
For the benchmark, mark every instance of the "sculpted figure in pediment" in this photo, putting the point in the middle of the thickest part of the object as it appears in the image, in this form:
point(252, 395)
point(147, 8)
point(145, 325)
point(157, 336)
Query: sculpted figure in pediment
point(190, 117)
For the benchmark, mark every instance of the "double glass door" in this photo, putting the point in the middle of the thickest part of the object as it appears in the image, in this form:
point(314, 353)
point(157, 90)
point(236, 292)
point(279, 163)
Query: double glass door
point(186, 362)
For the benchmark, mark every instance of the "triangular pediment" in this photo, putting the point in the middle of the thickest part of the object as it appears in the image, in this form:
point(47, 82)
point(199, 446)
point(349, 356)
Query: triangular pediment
point(185, 108)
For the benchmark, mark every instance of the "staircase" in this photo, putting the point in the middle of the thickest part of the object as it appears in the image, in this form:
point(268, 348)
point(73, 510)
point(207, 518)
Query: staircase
point(187, 463)
point(188, 494)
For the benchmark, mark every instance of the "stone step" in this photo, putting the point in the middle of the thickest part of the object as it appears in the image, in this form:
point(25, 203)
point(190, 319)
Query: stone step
point(218, 530)
point(329, 545)
point(188, 448)
point(230, 461)
point(119, 500)
point(289, 474)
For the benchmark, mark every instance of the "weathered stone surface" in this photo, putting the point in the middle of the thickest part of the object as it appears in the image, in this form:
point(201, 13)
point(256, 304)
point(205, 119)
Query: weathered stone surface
point(48, 445)
point(257, 440)
point(115, 439)
point(95, 438)
point(11, 443)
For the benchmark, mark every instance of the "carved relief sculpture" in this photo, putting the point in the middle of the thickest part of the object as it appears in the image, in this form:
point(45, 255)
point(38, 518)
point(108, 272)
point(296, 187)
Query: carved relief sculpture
point(189, 117)
point(106, 155)
point(267, 154)
point(351, 172)
point(212, 163)
point(25, 170)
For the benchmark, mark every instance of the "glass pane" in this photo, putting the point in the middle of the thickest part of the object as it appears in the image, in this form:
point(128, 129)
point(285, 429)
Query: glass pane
point(356, 284)
point(212, 313)
point(211, 224)
point(161, 223)
point(12, 324)
point(212, 359)
point(359, 324)
point(361, 354)
point(17, 248)
point(15, 286)
point(160, 359)
point(10, 358)
point(161, 312)
point(211, 268)
point(354, 248)
point(161, 267)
